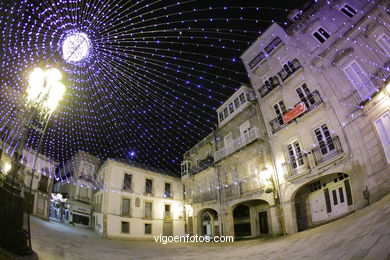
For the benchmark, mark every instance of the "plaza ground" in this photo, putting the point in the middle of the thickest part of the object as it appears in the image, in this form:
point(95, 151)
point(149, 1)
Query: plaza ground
point(365, 234)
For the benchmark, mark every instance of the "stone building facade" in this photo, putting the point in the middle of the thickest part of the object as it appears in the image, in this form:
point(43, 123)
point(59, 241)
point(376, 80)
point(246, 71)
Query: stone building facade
point(137, 203)
point(77, 183)
point(321, 85)
point(228, 175)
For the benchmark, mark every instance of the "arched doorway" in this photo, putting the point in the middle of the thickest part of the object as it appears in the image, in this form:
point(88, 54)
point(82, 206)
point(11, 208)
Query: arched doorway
point(322, 200)
point(251, 219)
point(209, 224)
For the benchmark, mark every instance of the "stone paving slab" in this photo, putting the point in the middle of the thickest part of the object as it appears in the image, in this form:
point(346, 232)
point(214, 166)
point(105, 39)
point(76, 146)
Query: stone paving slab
point(362, 235)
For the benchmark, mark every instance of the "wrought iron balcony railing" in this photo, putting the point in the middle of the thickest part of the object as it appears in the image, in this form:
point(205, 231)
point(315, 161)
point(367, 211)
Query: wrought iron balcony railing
point(206, 196)
point(306, 104)
point(237, 144)
point(289, 69)
point(327, 150)
point(297, 166)
point(268, 86)
point(202, 165)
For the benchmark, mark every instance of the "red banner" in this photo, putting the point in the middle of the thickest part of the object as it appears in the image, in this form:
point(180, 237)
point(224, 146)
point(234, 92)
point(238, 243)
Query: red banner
point(293, 113)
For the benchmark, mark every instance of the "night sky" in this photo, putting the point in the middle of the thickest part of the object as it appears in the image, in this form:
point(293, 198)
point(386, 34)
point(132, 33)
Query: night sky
point(154, 75)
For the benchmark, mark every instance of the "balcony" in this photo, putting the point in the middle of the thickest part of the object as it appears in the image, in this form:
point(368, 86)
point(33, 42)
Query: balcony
point(167, 215)
point(327, 150)
point(268, 86)
point(128, 188)
point(289, 69)
point(368, 89)
point(168, 195)
point(306, 104)
point(206, 196)
point(202, 165)
point(247, 186)
point(237, 144)
point(296, 167)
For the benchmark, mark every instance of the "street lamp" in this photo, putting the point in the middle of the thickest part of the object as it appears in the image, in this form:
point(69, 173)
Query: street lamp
point(44, 92)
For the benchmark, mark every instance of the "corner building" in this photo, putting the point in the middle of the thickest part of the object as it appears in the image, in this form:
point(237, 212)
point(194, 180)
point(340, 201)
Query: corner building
point(321, 84)
point(228, 175)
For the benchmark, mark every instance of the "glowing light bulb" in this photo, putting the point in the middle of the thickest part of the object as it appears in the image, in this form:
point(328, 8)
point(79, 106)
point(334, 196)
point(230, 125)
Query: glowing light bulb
point(76, 47)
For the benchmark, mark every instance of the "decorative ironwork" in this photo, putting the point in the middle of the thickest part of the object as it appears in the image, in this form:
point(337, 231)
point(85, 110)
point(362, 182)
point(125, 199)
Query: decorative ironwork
point(328, 149)
point(289, 69)
point(268, 86)
point(311, 101)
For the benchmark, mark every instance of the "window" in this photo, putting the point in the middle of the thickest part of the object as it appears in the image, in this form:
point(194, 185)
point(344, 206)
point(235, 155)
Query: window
point(244, 129)
point(83, 194)
point(242, 98)
point(254, 176)
point(228, 139)
point(125, 207)
point(167, 190)
point(295, 155)
point(167, 211)
point(384, 43)
point(43, 183)
point(148, 228)
point(265, 78)
point(280, 109)
point(324, 139)
point(234, 176)
point(148, 209)
point(272, 45)
point(321, 35)
point(259, 57)
point(305, 95)
point(148, 186)
point(127, 182)
point(237, 103)
point(231, 108)
point(348, 10)
point(221, 117)
point(360, 80)
point(125, 227)
point(225, 112)
point(382, 125)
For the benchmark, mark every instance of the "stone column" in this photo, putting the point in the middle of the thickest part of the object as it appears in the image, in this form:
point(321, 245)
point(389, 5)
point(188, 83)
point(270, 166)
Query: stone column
point(229, 223)
point(290, 219)
point(275, 220)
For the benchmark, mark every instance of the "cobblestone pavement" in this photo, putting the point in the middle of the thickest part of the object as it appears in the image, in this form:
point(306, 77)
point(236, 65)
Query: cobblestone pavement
point(362, 235)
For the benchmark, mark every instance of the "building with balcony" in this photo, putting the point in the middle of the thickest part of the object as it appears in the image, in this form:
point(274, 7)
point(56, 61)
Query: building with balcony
point(42, 182)
point(227, 176)
point(321, 90)
point(76, 181)
point(137, 203)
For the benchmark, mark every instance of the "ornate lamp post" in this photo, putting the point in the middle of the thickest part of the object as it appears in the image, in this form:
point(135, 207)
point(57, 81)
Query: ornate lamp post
point(43, 94)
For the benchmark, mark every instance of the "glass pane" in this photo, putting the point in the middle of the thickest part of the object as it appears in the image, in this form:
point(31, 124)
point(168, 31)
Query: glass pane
point(334, 197)
point(341, 193)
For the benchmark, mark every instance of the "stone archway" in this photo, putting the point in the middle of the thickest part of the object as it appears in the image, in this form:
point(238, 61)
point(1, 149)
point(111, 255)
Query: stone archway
point(322, 200)
point(251, 218)
point(208, 222)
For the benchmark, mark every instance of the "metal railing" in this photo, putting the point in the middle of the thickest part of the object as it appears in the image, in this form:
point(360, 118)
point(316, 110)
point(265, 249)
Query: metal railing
point(327, 150)
point(237, 144)
point(202, 165)
point(289, 69)
point(244, 187)
point(268, 86)
point(311, 101)
point(296, 166)
point(167, 215)
point(206, 196)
